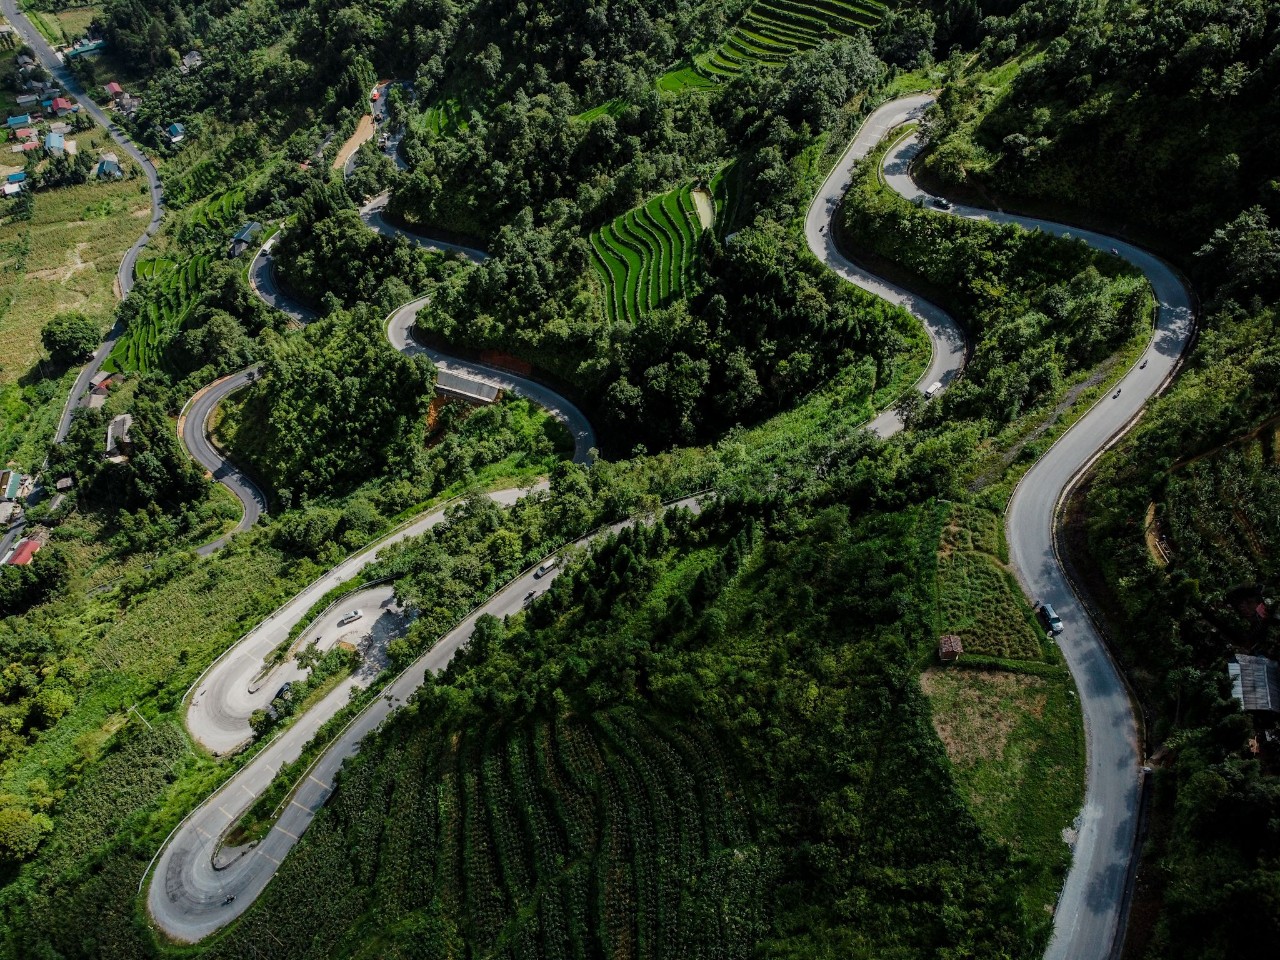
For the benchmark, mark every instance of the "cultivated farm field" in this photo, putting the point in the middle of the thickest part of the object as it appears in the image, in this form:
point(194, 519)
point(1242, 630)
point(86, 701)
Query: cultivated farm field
point(64, 258)
point(1221, 513)
point(978, 600)
point(646, 258)
point(771, 32)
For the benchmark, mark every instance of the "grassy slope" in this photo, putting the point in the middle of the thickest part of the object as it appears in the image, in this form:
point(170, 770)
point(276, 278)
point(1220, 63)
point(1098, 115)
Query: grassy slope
point(64, 258)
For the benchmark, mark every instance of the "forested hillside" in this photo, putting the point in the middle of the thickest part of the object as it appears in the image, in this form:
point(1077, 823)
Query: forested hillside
point(721, 731)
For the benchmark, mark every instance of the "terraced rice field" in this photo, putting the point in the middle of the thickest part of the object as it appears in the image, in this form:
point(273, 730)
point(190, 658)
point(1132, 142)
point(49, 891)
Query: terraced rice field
point(771, 32)
point(646, 257)
point(441, 119)
point(173, 293)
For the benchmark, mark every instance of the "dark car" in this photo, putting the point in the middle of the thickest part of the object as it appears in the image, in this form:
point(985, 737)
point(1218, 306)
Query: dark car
point(1052, 622)
point(285, 692)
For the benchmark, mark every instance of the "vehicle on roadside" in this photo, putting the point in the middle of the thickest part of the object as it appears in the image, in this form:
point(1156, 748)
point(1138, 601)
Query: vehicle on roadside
point(285, 692)
point(1143, 364)
point(529, 597)
point(933, 390)
point(1052, 622)
point(546, 567)
point(1117, 393)
point(943, 203)
point(350, 617)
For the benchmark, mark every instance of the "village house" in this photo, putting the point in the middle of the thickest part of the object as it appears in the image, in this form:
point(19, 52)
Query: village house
point(62, 106)
point(99, 389)
point(19, 121)
point(23, 552)
point(176, 132)
point(109, 167)
point(1255, 683)
point(191, 60)
point(119, 444)
point(55, 144)
point(10, 485)
point(949, 648)
point(244, 238)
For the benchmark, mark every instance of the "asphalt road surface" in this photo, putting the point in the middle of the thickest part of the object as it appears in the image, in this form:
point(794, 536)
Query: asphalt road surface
point(124, 275)
point(372, 214)
point(193, 430)
point(1088, 919)
point(946, 336)
point(234, 686)
point(194, 875)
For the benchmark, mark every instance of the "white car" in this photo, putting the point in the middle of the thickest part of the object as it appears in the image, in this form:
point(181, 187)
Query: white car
point(351, 617)
point(546, 568)
point(933, 389)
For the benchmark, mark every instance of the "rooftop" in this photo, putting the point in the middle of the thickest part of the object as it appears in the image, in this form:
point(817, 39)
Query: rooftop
point(1255, 682)
point(25, 550)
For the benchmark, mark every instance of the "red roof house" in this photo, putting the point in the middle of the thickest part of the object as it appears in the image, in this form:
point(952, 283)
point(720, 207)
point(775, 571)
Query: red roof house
point(23, 554)
point(114, 89)
point(61, 105)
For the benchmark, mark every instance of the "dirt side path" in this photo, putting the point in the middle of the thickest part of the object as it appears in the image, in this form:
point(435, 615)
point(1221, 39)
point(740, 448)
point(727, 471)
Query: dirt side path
point(364, 131)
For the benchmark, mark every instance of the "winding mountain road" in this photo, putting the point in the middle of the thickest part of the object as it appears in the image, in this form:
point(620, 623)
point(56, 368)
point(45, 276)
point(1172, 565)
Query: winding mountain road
point(945, 335)
point(50, 60)
point(1089, 916)
point(194, 876)
point(456, 377)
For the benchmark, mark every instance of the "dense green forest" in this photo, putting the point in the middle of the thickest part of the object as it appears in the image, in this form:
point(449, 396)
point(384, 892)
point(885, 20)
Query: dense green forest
point(722, 734)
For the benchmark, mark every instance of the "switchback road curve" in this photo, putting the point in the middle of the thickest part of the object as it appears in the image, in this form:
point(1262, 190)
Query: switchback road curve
point(188, 891)
point(194, 875)
point(455, 376)
point(1089, 916)
point(50, 60)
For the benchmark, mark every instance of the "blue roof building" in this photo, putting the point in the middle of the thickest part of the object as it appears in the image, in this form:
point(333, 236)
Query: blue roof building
point(55, 144)
point(176, 132)
point(20, 121)
point(18, 177)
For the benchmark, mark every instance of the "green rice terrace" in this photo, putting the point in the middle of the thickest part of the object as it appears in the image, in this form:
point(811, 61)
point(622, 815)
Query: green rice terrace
point(771, 32)
point(175, 287)
point(646, 257)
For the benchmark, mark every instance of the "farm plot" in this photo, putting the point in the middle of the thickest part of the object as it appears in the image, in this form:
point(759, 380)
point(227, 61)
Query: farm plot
point(1221, 514)
point(170, 294)
point(607, 834)
point(772, 31)
point(646, 258)
point(443, 118)
point(978, 600)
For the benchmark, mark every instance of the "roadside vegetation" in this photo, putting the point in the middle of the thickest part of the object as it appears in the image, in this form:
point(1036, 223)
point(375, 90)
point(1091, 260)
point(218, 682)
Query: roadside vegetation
point(59, 250)
point(722, 735)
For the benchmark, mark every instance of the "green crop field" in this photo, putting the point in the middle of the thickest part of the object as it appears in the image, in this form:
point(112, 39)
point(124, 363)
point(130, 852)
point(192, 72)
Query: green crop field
point(443, 118)
point(1220, 514)
point(174, 289)
point(606, 834)
point(772, 31)
point(646, 257)
point(978, 600)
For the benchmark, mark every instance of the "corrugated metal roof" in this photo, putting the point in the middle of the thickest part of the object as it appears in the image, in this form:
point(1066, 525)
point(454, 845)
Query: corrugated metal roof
point(1255, 682)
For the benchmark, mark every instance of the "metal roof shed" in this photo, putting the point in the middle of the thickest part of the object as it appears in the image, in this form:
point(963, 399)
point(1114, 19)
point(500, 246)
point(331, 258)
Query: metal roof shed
point(1255, 682)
